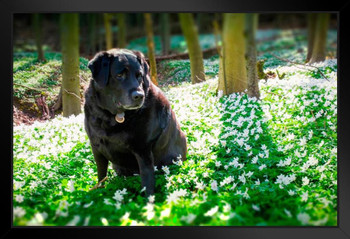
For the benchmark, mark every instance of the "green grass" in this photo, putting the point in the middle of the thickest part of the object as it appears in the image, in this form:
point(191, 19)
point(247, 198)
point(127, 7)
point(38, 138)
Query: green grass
point(32, 77)
point(250, 162)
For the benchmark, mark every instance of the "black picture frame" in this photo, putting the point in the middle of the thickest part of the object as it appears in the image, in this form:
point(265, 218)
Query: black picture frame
point(10, 7)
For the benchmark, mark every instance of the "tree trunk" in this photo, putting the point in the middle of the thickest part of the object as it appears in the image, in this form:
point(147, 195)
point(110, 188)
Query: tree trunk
point(101, 37)
point(252, 75)
point(151, 48)
point(92, 34)
point(319, 48)
point(311, 28)
point(165, 32)
point(121, 30)
point(37, 25)
point(233, 76)
point(196, 58)
point(70, 64)
point(108, 29)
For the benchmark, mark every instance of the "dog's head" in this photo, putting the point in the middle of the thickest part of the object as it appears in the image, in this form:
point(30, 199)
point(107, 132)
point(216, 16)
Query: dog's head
point(120, 79)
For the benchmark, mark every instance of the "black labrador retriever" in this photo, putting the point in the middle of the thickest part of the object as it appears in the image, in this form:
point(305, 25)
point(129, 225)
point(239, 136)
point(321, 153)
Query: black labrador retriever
point(128, 119)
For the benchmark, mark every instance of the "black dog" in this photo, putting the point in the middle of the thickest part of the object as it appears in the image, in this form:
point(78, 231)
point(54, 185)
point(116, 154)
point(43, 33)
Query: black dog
point(128, 119)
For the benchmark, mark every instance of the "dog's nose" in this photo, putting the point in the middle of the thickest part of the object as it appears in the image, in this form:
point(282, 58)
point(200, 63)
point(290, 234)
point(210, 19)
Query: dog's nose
point(137, 95)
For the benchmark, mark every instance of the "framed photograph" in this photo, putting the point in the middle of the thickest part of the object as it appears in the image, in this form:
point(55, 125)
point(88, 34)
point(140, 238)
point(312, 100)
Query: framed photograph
point(176, 118)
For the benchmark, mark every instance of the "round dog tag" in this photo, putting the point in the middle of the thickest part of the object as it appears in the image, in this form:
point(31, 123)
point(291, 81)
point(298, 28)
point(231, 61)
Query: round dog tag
point(120, 117)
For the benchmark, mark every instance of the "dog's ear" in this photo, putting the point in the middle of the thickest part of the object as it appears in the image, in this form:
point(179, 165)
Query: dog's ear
point(143, 62)
point(99, 67)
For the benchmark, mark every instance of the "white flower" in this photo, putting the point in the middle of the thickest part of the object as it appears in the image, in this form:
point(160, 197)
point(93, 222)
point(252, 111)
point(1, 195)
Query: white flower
point(257, 182)
point(18, 184)
point(74, 221)
point(255, 160)
point(304, 218)
point(217, 164)
point(285, 180)
point(104, 221)
point(312, 161)
point(291, 193)
point(175, 196)
point(165, 213)
point(200, 185)
point(125, 217)
point(119, 195)
point(220, 93)
point(89, 204)
point(242, 178)
point(149, 211)
point(290, 136)
point(227, 180)
point(256, 207)
point(107, 201)
point(166, 170)
point(226, 208)
point(240, 142)
point(262, 167)
point(305, 181)
point(18, 212)
point(304, 196)
point(19, 198)
point(33, 184)
point(284, 163)
point(189, 218)
point(223, 142)
point(288, 213)
point(70, 186)
point(151, 198)
point(212, 211)
point(214, 186)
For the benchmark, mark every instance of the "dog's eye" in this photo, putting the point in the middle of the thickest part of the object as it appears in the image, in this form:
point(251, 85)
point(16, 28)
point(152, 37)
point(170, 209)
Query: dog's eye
point(121, 75)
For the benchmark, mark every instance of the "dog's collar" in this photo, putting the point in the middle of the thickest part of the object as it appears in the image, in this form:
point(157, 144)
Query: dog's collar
point(120, 117)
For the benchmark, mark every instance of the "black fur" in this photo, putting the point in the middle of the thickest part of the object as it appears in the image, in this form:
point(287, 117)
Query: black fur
point(150, 135)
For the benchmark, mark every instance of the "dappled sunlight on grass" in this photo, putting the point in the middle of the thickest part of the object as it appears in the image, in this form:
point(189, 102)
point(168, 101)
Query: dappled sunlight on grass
point(270, 162)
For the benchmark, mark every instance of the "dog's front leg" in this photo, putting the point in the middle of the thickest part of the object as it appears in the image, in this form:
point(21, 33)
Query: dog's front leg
point(146, 166)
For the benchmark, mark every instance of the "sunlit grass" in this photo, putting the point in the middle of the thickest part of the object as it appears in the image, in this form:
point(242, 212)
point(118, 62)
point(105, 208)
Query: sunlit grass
point(250, 162)
point(271, 161)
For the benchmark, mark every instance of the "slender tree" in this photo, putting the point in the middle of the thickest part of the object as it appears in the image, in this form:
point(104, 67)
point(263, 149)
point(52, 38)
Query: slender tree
point(252, 75)
point(91, 46)
point(165, 32)
point(37, 27)
point(150, 46)
point(108, 28)
point(232, 66)
point(194, 50)
point(311, 27)
point(320, 38)
point(121, 30)
point(69, 24)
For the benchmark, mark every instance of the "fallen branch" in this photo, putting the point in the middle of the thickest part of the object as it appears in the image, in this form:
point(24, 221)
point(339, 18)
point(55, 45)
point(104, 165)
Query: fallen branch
point(30, 88)
point(41, 103)
point(98, 185)
point(184, 56)
point(297, 63)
